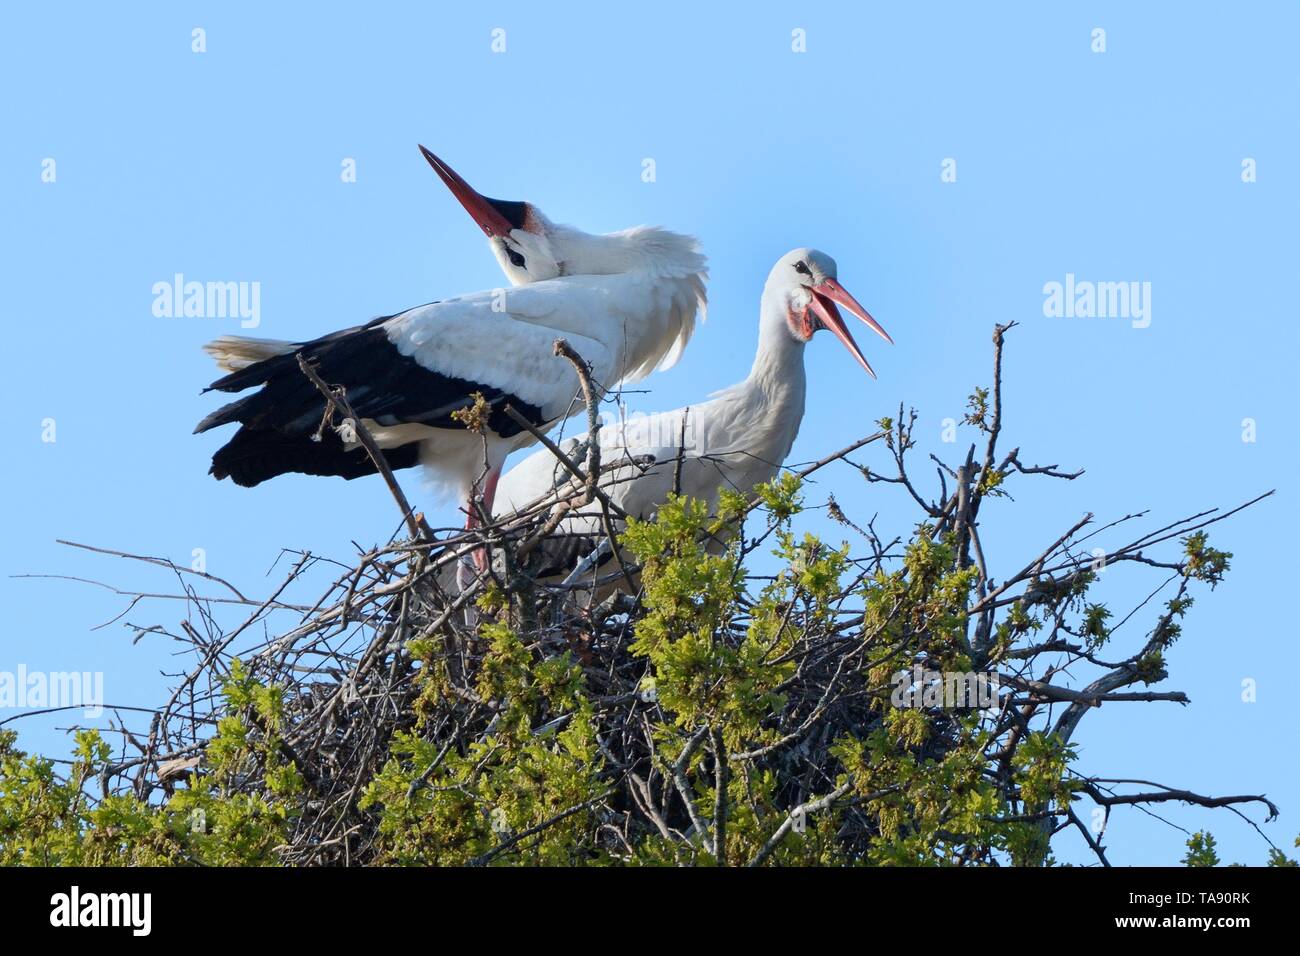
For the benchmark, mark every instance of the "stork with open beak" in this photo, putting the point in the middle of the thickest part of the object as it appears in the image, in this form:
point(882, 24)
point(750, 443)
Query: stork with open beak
point(626, 301)
point(738, 439)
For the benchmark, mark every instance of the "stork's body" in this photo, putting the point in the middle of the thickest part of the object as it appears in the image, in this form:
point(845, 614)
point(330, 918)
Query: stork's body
point(738, 439)
point(627, 302)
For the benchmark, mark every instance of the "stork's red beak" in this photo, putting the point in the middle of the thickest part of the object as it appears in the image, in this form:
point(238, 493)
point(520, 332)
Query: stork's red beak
point(824, 298)
point(496, 217)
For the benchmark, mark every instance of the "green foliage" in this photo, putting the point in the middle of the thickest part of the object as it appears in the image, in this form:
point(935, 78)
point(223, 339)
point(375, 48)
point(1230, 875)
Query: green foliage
point(474, 416)
point(1094, 630)
point(1201, 850)
point(229, 825)
point(977, 409)
point(1277, 858)
point(46, 820)
point(742, 731)
point(702, 673)
point(1151, 668)
point(991, 483)
point(1204, 563)
point(438, 807)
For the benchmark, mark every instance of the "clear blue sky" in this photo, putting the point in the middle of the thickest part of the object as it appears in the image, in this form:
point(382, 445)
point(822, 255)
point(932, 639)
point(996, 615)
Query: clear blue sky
point(1119, 166)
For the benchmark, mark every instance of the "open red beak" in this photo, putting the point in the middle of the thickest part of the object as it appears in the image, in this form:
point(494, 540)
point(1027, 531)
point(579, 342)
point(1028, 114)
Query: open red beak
point(494, 216)
point(824, 298)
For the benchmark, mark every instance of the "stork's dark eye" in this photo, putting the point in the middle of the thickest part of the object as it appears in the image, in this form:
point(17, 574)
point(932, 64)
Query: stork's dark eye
point(802, 268)
point(516, 259)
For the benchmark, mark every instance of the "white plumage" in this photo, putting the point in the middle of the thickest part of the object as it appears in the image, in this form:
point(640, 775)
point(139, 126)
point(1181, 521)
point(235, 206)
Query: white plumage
point(738, 439)
point(626, 301)
point(623, 326)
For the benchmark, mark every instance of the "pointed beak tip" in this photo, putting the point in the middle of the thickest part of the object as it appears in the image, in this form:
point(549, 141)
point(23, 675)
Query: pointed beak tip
point(832, 289)
point(479, 207)
point(836, 293)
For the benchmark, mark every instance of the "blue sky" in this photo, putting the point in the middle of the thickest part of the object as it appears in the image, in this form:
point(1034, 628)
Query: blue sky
point(1117, 166)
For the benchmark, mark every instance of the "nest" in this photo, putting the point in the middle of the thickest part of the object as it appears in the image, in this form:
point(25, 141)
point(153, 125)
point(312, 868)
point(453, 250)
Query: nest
point(399, 643)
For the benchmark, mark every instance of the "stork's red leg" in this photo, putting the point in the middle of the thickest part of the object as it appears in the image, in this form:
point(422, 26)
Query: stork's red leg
point(472, 514)
point(490, 489)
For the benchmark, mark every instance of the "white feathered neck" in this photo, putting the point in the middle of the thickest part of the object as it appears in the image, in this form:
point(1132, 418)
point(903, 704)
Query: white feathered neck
point(767, 407)
point(672, 261)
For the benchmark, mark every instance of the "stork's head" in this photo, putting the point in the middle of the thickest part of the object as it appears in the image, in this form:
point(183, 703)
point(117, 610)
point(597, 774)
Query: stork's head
point(530, 248)
point(517, 232)
point(805, 290)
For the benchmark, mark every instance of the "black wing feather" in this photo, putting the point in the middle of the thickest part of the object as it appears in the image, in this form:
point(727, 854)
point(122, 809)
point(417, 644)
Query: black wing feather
point(279, 420)
point(254, 455)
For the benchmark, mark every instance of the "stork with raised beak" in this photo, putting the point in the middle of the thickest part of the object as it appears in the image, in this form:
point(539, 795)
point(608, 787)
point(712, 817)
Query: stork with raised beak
point(626, 301)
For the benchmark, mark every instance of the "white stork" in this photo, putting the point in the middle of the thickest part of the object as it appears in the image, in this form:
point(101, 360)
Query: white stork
point(626, 301)
point(738, 439)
